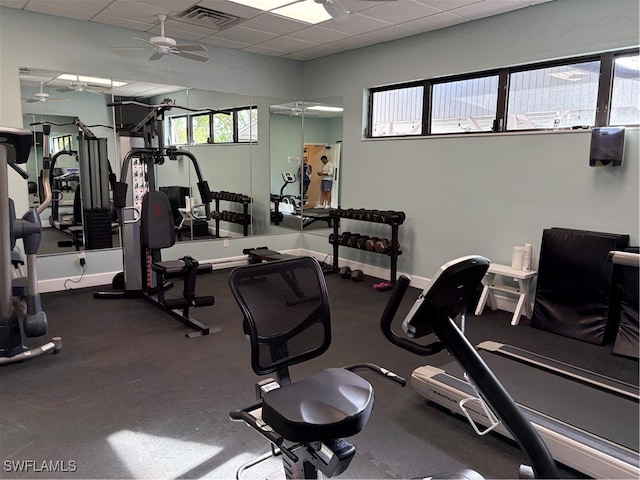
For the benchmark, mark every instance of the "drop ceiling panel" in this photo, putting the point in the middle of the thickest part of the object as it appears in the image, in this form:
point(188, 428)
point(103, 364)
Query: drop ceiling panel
point(369, 23)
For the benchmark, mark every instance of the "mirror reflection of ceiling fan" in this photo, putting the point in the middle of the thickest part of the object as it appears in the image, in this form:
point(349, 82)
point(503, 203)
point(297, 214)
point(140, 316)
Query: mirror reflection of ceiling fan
point(43, 96)
point(163, 45)
point(80, 86)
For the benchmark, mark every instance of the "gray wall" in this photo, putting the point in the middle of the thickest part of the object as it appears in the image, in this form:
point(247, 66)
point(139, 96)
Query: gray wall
point(480, 194)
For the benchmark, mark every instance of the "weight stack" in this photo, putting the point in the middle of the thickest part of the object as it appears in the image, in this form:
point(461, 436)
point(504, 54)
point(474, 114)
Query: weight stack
point(97, 229)
point(627, 342)
point(577, 292)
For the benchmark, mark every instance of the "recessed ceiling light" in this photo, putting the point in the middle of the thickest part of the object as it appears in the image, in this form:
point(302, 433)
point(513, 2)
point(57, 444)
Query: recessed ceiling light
point(307, 11)
point(325, 108)
point(94, 80)
point(265, 5)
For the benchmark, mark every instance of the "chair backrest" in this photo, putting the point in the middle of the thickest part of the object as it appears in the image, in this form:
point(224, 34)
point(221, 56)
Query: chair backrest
point(157, 227)
point(286, 311)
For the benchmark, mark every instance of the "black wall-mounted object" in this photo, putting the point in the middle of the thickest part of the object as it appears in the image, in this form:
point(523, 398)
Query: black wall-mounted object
point(607, 147)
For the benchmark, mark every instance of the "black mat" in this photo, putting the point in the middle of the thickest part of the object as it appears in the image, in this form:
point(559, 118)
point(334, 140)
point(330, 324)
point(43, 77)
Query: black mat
point(130, 396)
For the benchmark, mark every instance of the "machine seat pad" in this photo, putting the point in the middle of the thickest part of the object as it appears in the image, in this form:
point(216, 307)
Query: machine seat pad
point(333, 403)
point(176, 268)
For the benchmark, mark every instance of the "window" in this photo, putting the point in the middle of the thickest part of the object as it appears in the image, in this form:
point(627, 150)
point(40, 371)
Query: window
point(464, 105)
point(397, 112)
point(61, 143)
point(554, 97)
point(589, 91)
point(625, 94)
point(247, 124)
point(236, 125)
point(178, 130)
point(201, 128)
point(223, 127)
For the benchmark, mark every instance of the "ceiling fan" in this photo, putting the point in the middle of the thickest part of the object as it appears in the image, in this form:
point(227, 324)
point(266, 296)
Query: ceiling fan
point(163, 45)
point(80, 86)
point(43, 96)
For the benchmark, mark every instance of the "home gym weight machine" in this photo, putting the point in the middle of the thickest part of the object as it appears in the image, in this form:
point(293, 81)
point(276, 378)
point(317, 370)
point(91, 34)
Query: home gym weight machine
point(19, 296)
point(147, 224)
point(91, 223)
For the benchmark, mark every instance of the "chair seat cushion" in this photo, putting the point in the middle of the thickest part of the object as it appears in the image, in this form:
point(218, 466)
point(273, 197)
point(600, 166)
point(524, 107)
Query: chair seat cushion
point(333, 403)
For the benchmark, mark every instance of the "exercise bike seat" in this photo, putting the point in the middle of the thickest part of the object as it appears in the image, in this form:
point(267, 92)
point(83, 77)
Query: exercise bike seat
point(333, 403)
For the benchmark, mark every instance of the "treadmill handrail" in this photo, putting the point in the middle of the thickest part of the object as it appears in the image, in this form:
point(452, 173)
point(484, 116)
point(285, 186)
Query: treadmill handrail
point(492, 391)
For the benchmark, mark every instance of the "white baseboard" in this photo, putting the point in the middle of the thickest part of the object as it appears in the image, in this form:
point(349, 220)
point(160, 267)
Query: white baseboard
point(58, 284)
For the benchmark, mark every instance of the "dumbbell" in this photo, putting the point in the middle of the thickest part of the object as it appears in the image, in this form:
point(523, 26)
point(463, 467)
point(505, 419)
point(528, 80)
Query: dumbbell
point(352, 241)
point(362, 241)
point(383, 245)
point(345, 272)
point(370, 243)
point(357, 275)
point(342, 238)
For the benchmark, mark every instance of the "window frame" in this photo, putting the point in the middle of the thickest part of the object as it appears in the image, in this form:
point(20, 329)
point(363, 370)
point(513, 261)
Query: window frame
point(603, 101)
point(211, 139)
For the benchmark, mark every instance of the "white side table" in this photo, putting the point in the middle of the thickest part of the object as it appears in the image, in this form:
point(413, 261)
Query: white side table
point(522, 291)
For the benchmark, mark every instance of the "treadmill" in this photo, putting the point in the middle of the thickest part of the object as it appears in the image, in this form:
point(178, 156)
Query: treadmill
point(588, 421)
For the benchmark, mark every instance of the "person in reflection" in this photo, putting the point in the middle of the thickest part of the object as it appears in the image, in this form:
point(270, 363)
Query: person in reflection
point(327, 182)
point(304, 173)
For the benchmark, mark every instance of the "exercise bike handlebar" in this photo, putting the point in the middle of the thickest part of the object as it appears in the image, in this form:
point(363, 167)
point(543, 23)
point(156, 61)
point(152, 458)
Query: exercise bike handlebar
point(397, 294)
point(388, 374)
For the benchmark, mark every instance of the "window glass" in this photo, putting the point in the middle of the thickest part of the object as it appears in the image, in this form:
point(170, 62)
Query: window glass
point(200, 128)
point(562, 96)
point(464, 105)
point(247, 125)
point(222, 128)
point(397, 112)
point(625, 97)
point(178, 131)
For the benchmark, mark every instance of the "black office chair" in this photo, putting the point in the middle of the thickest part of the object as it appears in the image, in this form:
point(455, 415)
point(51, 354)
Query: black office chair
point(287, 319)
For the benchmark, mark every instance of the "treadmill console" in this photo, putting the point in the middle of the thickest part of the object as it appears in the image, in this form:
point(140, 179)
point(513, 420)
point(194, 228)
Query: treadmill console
point(18, 142)
point(449, 293)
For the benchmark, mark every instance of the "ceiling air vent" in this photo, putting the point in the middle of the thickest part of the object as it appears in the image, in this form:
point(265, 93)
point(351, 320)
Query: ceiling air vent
point(206, 17)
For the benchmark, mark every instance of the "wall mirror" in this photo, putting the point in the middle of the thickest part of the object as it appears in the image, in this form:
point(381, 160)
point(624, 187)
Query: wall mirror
point(301, 133)
point(221, 142)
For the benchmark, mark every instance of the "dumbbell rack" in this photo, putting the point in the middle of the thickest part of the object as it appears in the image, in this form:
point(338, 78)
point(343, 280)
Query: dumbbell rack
point(243, 218)
point(389, 217)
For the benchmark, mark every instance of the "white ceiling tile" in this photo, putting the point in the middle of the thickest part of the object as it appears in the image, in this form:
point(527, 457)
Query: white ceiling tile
point(76, 9)
point(287, 44)
point(434, 22)
point(123, 22)
point(222, 42)
point(360, 5)
point(356, 24)
point(487, 8)
point(390, 33)
point(351, 43)
point(299, 56)
point(398, 12)
point(244, 35)
point(317, 34)
point(268, 22)
point(446, 5)
point(135, 11)
point(260, 50)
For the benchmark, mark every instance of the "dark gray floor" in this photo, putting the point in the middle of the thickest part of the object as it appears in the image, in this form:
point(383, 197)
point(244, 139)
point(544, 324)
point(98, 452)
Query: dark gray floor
point(131, 397)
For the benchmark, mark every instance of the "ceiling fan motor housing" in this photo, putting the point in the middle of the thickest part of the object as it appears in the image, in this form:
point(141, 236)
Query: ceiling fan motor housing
point(163, 42)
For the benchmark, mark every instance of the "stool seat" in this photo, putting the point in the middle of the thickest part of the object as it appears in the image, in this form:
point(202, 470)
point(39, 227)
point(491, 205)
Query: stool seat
point(333, 403)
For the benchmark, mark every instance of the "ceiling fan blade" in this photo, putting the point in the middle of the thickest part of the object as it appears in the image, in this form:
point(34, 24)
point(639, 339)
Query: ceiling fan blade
point(191, 48)
point(32, 100)
point(64, 89)
point(157, 55)
point(334, 8)
point(191, 56)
